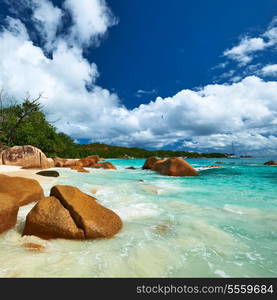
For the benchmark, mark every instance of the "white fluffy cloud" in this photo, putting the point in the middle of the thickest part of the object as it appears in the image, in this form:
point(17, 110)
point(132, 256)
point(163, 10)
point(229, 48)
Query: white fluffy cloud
point(47, 19)
point(91, 19)
point(207, 119)
point(244, 52)
point(62, 79)
point(270, 70)
point(248, 105)
point(245, 142)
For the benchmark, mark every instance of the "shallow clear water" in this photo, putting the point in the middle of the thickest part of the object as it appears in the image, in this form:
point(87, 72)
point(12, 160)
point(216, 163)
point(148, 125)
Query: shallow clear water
point(222, 223)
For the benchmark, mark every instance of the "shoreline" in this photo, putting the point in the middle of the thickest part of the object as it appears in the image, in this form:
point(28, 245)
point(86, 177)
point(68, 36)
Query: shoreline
point(192, 214)
point(16, 171)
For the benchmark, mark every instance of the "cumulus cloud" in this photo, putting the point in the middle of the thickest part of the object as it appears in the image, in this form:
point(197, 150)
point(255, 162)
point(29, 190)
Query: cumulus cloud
point(47, 19)
point(269, 70)
point(15, 27)
point(63, 79)
point(91, 19)
point(245, 142)
point(215, 109)
point(207, 119)
point(67, 78)
point(244, 52)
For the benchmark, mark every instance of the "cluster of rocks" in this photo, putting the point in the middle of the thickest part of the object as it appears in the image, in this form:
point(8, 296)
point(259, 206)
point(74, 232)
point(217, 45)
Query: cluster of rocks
point(29, 157)
point(71, 214)
point(271, 163)
point(174, 166)
point(87, 162)
point(67, 213)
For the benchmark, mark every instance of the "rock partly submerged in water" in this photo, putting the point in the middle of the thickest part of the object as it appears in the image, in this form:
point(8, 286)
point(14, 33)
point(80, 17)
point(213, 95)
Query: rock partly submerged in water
point(91, 161)
point(95, 219)
point(174, 166)
point(79, 169)
point(25, 190)
point(214, 166)
point(8, 211)
point(88, 161)
point(71, 214)
point(49, 219)
point(130, 168)
point(271, 163)
point(48, 173)
point(149, 163)
point(105, 165)
point(15, 192)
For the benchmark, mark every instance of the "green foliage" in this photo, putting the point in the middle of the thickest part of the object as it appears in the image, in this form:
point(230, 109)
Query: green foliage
point(25, 124)
point(107, 151)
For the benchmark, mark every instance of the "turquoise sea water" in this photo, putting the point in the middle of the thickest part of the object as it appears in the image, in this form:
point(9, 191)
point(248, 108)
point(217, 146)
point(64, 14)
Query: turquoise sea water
point(222, 223)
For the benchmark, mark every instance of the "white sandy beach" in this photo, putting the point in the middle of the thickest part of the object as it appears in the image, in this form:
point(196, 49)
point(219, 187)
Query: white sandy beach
point(27, 173)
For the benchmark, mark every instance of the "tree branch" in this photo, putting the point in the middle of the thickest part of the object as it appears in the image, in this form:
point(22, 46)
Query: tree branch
point(30, 108)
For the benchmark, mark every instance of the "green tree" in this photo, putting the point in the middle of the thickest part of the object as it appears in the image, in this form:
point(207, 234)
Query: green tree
point(26, 124)
point(14, 116)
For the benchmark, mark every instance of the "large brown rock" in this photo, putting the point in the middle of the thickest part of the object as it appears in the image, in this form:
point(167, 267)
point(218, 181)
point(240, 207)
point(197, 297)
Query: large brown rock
point(62, 162)
point(26, 156)
point(84, 162)
point(89, 161)
point(270, 163)
point(50, 163)
point(96, 220)
point(158, 166)
point(174, 167)
point(105, 165)
point(94, 158)
point(8, 211)
point(25, 190)
point(149, 163)
point(1, 155)
point(49, 219)
point(59, 162)
point(70, 162)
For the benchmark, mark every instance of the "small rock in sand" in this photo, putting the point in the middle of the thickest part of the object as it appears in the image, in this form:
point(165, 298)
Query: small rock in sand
point(49, 173)
point(34, 247)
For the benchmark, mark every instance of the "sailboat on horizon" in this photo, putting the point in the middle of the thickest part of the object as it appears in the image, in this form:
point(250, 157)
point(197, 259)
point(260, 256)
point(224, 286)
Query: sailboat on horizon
point(233, 155)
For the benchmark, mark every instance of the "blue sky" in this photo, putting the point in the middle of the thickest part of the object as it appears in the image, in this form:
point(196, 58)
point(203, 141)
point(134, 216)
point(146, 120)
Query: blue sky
point(164, 46)
point(190, 75)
